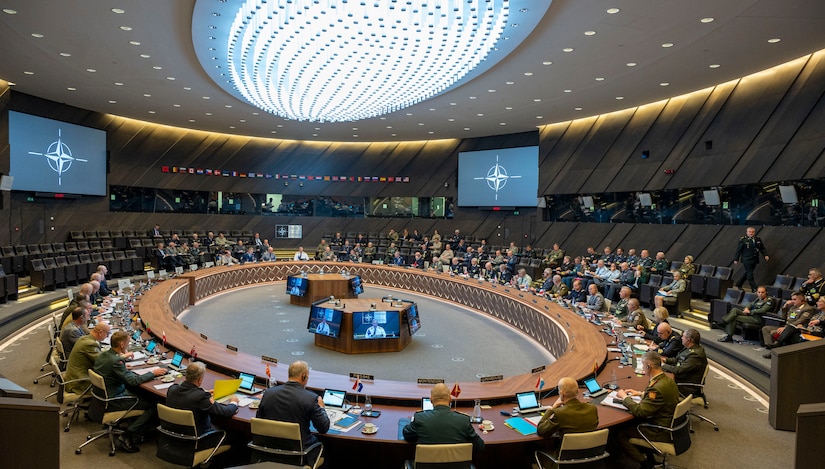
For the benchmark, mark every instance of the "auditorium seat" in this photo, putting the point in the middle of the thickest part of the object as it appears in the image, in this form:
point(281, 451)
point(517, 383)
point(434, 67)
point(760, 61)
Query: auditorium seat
point(648, 290)
point(81, 268)
point(719, 283)
point(780, 284)
point(699, 278)
point(69, 271)
point(797, 286)
point(59, 272)
point(41, 277)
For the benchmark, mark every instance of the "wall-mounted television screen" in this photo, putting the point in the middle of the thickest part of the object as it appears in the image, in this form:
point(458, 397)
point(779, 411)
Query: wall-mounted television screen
point(296, 286)
point(413, 321)
point(375, 325)
point(357, 287)
point(55, 157)
point(507, 177)
point(324, 321)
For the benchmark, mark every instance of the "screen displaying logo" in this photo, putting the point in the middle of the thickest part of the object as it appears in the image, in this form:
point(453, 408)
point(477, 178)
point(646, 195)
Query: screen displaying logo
point(505, 177)
point(59, 156)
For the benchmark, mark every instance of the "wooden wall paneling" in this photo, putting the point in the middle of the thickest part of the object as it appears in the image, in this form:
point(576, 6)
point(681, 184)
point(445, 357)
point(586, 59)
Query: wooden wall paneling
point(784, 246)
point(806, 146)
point(429, 165)
point(679, 157)
point(793, 109)
point(721, 248)
point(734, 128)
point(693, 241)
point(807, 256)
point(660, 139)
point(615, 237)
point(557, 232)
point(626, 148)
point(604, 141)
point(654, 238)
point(564, 157)
point(549, 164)
point(584, 236)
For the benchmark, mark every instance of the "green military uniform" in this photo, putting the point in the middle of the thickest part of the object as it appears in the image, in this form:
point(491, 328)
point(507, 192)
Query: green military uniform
point(82, 358)
point(757, 309)
point(794, 316)
point(559, 290)
point(621, 308)
point(688, 366)
point(636, 318)
point(442, 426)
point(813, 290)
point(573, 416)
point(369, 254)
point(660, 265)
point(658, 404)
point(112, 368)
point(687, 270)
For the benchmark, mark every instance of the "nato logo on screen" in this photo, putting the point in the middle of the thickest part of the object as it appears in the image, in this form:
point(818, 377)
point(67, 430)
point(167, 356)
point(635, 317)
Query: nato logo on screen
point(54, 156)
point(506, 177)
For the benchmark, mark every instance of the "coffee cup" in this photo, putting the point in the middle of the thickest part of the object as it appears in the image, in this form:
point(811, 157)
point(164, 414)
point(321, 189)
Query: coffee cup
point(486, 424)
point(369, 427)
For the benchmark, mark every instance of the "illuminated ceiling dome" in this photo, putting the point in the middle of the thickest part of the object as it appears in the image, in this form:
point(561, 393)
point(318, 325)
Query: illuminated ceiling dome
point(345, 60)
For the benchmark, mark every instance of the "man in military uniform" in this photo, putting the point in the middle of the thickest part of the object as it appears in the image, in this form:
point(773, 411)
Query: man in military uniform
point(814, 287)
point(554, 257)
point(558, 290)
point(661, 264)
point(688, 366)
point(796, 312)
point(747, 251)
point(657, 406)
point(621, 310)
point(568, 414)
point(441, 425)
point(752, 314)
point(670, 343)
point(814, 326)
point(83, 357)
point(112, 367)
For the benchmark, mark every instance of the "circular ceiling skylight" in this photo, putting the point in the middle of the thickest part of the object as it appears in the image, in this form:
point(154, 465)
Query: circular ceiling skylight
point(345, 60)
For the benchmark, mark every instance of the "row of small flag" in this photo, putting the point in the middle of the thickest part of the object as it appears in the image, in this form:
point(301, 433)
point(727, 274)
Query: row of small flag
point(294, 177)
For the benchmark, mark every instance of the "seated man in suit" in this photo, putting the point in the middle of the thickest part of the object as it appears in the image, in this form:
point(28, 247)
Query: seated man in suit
point(441, 425)
point(595, 300)
point(752, 314)
point(688, 365)
point(189, 395)
point(568, 414)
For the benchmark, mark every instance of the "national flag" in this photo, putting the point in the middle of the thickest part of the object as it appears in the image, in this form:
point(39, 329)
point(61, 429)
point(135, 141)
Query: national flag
point(358, 385)
point(164, 169)
point(193, 353)
point(595, 367)
point(268, 373)
point(540, 383)
point(164, 338)
point(456, 390)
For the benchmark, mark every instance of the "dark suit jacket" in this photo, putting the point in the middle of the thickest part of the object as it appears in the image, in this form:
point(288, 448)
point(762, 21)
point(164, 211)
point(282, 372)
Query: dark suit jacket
point(442, 426)
point(688, 367)
point(290, 402)
point(671, 347)
point(187, 396)
point(572, 417)
point(104, 288)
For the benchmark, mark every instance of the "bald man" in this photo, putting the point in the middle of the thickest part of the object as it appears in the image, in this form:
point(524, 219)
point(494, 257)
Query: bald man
point(441, 425)
point(292, 402)
point(568, 414)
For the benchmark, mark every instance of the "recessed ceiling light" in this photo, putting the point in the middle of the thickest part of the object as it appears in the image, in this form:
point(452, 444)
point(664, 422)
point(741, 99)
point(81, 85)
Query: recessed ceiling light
point(509, 83)
point(430, 132)
point(242, 120)
point(707, 20)
point(547, 62)
point(577, 109)
point(157, 67)
point(151, 112)
point(473, 97)
point(273, 131)
point(508, 108)
point(453, 104)
point(539, 117)
point(537, 100)
point(208, 113)
point(134, 43)
point(502, 123)
point(227, 106)
point(91, 70)
point(354, 135)
point(599, 78)
point(256, 113)
point(489, 91)
point(187, 88)
point(126, 28)
point(774, 40)
point(466, 128)
point(231, 126)
point(480, 114)
point(28, 73)
point(528, 74)
point(590, 33)
point(620, 98)
point(714, 65)
point(176, 105)
point(65, 54)
point(613, 11)
point(37, 35)
point(393, 135)
point(144, 56)
point(631, 64)
point(9, 11)
point(147, 95)
point(280, 126)
point(664, 83)
point(119, 11)
point(389, 126)
point(170, 78)
point(191, 120)
point(71, 88)
point(568, 49)
point(354, 128)
point(409, 113)
point(117, 83)
point(667, 44)
point(568, 91)
point(112, 101)
point(433, 109)
point(451, 120)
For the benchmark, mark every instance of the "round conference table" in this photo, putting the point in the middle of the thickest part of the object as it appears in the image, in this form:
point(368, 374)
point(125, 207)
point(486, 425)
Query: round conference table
point(578, 345)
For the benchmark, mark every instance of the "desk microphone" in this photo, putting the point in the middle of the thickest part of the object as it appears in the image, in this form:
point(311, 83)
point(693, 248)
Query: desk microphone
point(612, 383)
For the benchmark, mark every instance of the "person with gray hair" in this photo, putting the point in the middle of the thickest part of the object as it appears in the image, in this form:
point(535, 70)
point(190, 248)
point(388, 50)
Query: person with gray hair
point(568, 414)
point(688, 366)
point(189, 395)
point(441, 425)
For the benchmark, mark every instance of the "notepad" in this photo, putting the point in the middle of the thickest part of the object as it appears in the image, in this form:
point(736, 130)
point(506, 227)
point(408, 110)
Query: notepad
point(608, 400)
point(346, 421)
point(521, 425)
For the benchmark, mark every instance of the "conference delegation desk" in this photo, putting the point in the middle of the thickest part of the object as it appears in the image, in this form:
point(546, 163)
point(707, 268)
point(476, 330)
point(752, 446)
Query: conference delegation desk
point(578, 345)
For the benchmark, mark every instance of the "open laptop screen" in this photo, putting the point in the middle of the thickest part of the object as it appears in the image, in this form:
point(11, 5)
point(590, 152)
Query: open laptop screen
point(334, 398)
point(426, 404)
point(177, 360)
point(592, 385)
point(527, 400)
point(247, 380)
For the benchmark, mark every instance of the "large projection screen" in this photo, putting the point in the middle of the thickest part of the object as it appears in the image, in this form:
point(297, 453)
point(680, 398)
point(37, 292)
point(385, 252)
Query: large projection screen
point(506, 177)
point(56, 157)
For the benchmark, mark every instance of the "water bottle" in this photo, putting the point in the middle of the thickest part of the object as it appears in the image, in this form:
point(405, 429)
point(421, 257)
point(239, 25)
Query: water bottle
point(367, 404)
point(476, 418)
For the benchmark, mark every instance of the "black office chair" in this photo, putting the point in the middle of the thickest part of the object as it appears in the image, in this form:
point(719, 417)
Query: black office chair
point(110, 419)
point(699, 398)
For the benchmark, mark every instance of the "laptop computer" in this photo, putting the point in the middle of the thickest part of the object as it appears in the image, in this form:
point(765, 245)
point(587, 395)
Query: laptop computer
point(426, 404)
point(528, 403)
point(177, 362)
point(335, 399)
point(594, 388)
point(248, 384)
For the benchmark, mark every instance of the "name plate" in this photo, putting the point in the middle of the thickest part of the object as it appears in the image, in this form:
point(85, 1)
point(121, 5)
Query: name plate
point(186, 327)
point(490, 379)
point(538, 369)
point(232, 348)
point(269, 359)
point(203, 336)
point(362, 376)
point(430, 380)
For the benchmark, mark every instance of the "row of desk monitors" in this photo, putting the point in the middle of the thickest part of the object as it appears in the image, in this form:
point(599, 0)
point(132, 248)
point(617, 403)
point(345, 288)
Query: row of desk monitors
point(366, 325)
point(297, 285)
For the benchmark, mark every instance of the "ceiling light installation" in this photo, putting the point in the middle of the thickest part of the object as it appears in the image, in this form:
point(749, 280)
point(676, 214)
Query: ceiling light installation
point(346, 60)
